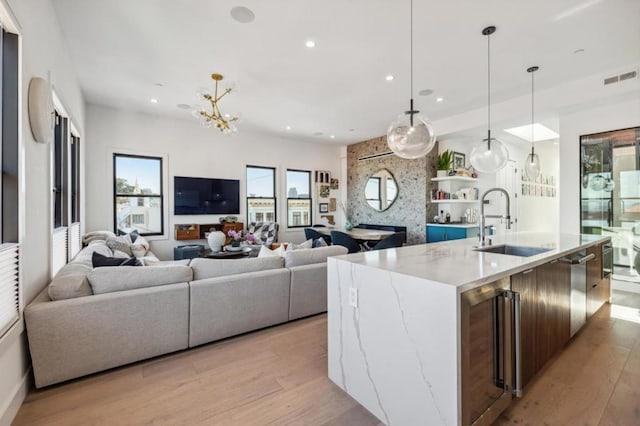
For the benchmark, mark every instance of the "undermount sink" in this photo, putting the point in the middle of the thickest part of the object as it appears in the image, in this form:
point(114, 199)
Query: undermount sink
point(522, 251)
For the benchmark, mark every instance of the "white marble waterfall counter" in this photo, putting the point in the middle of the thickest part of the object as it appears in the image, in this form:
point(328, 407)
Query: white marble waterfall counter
point(393, 320)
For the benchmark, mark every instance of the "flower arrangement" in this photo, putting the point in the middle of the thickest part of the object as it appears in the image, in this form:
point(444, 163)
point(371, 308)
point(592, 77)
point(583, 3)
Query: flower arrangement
point(237, 237)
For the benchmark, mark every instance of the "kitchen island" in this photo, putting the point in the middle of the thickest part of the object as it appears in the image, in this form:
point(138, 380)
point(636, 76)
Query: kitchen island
point(407, 342)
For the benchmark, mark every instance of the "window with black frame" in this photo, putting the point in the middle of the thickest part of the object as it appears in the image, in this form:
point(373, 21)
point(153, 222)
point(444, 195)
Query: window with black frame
point(75, 179)
point(298, 198)
point(261, 194)
point(60, 170)
point(138, 194)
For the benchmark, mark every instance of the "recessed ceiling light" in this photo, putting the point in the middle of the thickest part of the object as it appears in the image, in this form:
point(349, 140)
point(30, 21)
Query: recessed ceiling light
point(287, 128)
point(440, 100)
point(540, 132)
point(318, 134)
point(352, 130)
point(332, 136)
point(153, 100)
point(425, 92)
point(159, 85)
point(242, 14)
point(183, 106)
point(310, 43)
point(577, 51)
point(389, 77)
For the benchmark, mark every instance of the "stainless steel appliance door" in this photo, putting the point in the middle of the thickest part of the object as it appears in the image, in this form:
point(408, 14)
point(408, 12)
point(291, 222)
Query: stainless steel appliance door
point(487, 352)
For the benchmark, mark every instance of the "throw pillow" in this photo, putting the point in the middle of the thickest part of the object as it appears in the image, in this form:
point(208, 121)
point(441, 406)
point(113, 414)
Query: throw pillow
point(122, 243)
point(133, 234)
point(319, 242)
point(266, 252)
point(140, 247)
point(99, 260)
point(306, 245)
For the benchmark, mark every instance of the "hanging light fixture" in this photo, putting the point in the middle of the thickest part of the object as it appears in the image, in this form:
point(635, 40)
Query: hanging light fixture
point(489, 155)
point(214, 118)
point(532, 164)
point(411, 135)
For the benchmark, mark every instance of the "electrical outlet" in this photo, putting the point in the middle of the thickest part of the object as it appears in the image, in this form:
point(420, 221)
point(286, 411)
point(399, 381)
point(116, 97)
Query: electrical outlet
point(353, 297)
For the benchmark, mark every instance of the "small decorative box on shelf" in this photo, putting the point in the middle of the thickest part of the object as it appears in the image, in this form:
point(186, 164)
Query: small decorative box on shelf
point(198, 231)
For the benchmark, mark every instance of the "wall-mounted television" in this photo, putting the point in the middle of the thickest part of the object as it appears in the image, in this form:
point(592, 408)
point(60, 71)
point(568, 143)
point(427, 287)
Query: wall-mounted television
point(193, 195)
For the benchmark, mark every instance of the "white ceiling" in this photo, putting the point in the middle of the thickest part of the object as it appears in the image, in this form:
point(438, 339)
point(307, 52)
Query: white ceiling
point(122, 48)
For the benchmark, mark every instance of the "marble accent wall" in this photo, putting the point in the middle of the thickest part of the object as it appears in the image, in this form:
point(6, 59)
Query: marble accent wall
point(411, 208)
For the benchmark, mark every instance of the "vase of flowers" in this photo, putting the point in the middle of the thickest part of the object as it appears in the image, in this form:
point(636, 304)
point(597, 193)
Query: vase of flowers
point(236, 238)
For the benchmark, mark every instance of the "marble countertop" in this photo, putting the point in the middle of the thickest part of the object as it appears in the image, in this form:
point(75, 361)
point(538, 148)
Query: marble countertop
point(456, 263)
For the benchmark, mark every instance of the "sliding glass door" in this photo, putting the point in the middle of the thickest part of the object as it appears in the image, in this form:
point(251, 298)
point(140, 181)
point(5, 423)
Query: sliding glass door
point(610, 195)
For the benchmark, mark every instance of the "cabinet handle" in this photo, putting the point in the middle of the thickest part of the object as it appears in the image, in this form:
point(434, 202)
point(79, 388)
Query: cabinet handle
point(586, 258)
point(527, 271)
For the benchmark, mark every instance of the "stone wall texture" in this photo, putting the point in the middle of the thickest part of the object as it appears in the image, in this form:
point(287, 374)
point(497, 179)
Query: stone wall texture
point(411, 208)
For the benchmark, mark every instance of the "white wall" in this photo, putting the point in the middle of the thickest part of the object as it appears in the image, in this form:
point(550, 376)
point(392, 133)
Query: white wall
point(613, 116)
point(43, 52)
point(193, 151)
point(533, 213)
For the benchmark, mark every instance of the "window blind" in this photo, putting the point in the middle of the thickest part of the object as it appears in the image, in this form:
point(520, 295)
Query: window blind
point(74, 239)
point(9, 285)
point(59, 253)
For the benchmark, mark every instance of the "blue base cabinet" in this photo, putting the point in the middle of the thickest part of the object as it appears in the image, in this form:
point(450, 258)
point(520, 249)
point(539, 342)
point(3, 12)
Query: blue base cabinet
point(437, 233)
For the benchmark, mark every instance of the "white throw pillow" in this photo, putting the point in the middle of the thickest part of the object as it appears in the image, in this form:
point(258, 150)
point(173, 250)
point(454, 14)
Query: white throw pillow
point(140, 247)
point(266, 252)
point(306, 245)
point(319, 242)
point(122, 243)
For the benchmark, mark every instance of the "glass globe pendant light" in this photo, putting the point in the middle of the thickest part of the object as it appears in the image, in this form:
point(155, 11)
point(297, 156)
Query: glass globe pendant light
point(411, 135)
point(489, 155)
point(532, 164)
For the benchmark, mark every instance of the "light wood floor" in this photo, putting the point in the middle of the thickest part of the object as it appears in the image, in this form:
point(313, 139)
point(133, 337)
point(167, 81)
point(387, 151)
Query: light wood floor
point(279, 376)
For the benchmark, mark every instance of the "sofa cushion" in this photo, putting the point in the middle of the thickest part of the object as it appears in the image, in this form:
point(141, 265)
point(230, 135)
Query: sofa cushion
point(119, 278)
point(99, 260)
point(97, 236)
point(264, 232)
point(70, 282)
point(140, 247)
point(122, 243)
point(210, 268)
point(313, 255)
point(267, 252)
point(306, 245)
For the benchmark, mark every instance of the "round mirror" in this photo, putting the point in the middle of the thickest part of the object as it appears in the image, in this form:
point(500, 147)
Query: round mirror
point(381, 190)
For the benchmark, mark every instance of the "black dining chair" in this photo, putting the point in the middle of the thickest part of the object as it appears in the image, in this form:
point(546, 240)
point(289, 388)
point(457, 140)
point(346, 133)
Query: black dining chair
point(312, 234)
point(341, 239)
point(392, 241)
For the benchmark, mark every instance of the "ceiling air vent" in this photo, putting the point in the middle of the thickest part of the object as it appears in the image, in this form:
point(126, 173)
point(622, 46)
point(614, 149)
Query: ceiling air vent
point(628, 75)
point(611, 80)
point(622, 77)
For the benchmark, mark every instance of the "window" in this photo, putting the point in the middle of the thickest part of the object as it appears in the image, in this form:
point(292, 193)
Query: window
point(75, 179)
point(9, 188)
point(261, 194)
point(138, 194)
point(298, 198)
point(60, 184)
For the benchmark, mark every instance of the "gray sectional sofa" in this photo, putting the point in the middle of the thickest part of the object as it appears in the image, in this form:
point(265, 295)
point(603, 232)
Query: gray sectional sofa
point(89, 320)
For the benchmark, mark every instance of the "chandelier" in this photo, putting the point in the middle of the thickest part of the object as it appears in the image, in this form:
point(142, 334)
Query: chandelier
point(213, 117)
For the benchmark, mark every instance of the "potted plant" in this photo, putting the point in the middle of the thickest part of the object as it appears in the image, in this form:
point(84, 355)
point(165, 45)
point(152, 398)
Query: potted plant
point(443, 163)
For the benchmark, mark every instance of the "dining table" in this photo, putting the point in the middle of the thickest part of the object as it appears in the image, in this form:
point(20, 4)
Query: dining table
point(359, 233)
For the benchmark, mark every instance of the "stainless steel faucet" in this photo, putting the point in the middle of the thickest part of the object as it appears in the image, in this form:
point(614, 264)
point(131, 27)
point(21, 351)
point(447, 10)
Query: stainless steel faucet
point(483, 217)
